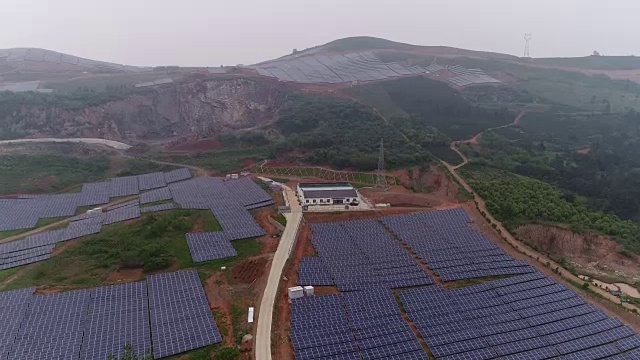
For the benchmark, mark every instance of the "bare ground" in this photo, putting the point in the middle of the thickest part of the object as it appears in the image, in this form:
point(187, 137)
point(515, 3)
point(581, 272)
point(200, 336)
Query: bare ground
point(589, 252)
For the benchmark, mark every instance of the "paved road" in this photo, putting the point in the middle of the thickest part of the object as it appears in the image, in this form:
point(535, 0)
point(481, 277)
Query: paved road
point(265, 312)
point(111, 143)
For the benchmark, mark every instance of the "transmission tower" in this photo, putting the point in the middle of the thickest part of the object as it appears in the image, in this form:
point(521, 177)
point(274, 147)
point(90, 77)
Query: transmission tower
point(527, 40)
point(381, 179)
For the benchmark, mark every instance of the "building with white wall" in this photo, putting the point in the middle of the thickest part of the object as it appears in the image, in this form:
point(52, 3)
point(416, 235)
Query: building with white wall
point(327, 194)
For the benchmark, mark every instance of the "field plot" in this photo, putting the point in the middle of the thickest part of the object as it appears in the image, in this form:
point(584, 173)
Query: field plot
point(379, 313)
point(93, 323)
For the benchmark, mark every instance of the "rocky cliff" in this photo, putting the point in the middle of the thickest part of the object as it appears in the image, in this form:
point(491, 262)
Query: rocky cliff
point(198, 108)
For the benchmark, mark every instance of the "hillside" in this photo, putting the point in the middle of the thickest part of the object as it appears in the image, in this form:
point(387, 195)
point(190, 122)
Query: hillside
point(46, 61)
point(198, 108)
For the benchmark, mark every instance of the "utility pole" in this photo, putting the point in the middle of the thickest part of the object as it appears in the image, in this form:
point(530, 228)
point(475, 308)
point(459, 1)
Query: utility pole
point(527, 40)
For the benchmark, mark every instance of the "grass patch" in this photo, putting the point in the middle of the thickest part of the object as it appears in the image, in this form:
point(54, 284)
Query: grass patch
point(154, 242)
point(5, 274)
point(280, 218)
point(222, 160)
point(48, 173)
point(138, 166)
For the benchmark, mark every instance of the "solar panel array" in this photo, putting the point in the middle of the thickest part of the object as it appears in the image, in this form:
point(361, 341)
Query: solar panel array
point(361, 254)
point(117, 315)
point(522, 317)
point(226, 199)
point(335, 68)
point(451, 248)
point(52, 327)
point(355, 325)
point(97, 322)
point(210, 246)
point(121, 214)
point(180, 316)
point(247, 193)
point(177, 175)
point(13, 305)
point(466, 77)
point(155, 195)
point(151, 181)
point(39, 246)
point(24, 213)
point(313, 271)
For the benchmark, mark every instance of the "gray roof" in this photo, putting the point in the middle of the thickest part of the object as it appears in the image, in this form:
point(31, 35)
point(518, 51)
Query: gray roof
point(326, 194)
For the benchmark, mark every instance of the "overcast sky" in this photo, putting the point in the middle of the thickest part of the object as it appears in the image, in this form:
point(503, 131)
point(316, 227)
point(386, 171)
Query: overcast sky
point(214, 32)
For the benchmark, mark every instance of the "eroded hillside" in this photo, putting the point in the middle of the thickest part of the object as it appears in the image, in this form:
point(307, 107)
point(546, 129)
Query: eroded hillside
point(198, 108)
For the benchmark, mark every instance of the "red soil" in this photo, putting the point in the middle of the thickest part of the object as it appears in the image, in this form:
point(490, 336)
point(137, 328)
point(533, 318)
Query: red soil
point(249, 270)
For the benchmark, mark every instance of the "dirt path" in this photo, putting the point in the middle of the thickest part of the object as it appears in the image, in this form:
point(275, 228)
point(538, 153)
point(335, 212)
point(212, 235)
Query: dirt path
point(541, 259)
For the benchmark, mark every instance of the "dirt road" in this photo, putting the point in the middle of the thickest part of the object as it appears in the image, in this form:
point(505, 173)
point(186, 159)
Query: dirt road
point(265, 312)
point(542, 259)
point(476, 139)
point(110, 143)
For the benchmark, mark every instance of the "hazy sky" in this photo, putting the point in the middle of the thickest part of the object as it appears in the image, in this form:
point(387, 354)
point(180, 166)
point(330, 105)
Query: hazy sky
point(213, 32)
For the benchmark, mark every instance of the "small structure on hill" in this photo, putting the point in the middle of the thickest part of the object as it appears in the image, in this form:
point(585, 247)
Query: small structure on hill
point(327, 194)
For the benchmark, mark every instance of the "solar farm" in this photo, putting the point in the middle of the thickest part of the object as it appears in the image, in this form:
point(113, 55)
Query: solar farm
point(167, 310)
point(359, 67)
point(394, 298)
point(228, 200)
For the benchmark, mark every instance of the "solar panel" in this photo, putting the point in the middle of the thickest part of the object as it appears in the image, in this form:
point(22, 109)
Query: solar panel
point(180, 316)
point(117, 315)
point(124, 186)
point(52, 327)
point(121, 214)
point(160, 194)
point(151, 181)
point(157, 208)
point(209, 246)
point(177, 175)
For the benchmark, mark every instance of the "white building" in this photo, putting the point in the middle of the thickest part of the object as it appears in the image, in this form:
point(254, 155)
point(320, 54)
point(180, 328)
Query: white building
point(327, 194)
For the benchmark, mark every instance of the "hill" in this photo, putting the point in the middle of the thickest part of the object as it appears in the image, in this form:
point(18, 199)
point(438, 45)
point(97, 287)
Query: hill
point(41, 60)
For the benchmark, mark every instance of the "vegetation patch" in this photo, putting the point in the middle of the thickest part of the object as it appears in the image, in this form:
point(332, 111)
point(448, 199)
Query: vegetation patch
point(516, 200)
point(48, 173)
point(154, 242)
point(223, 161)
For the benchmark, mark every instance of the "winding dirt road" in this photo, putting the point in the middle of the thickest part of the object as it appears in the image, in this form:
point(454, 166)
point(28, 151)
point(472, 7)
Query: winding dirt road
point(521, 247)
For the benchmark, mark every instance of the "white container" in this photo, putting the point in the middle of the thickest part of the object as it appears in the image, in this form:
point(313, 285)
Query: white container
point(234, 176)
point(250, 319)
point(308, 290)
point(296, 292)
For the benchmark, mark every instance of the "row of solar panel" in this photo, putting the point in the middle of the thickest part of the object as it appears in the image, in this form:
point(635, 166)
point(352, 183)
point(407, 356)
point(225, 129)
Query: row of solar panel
point(24, 213)
point(95, 323)
point(355, 325)
point(522, 317)
point(335, 68)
